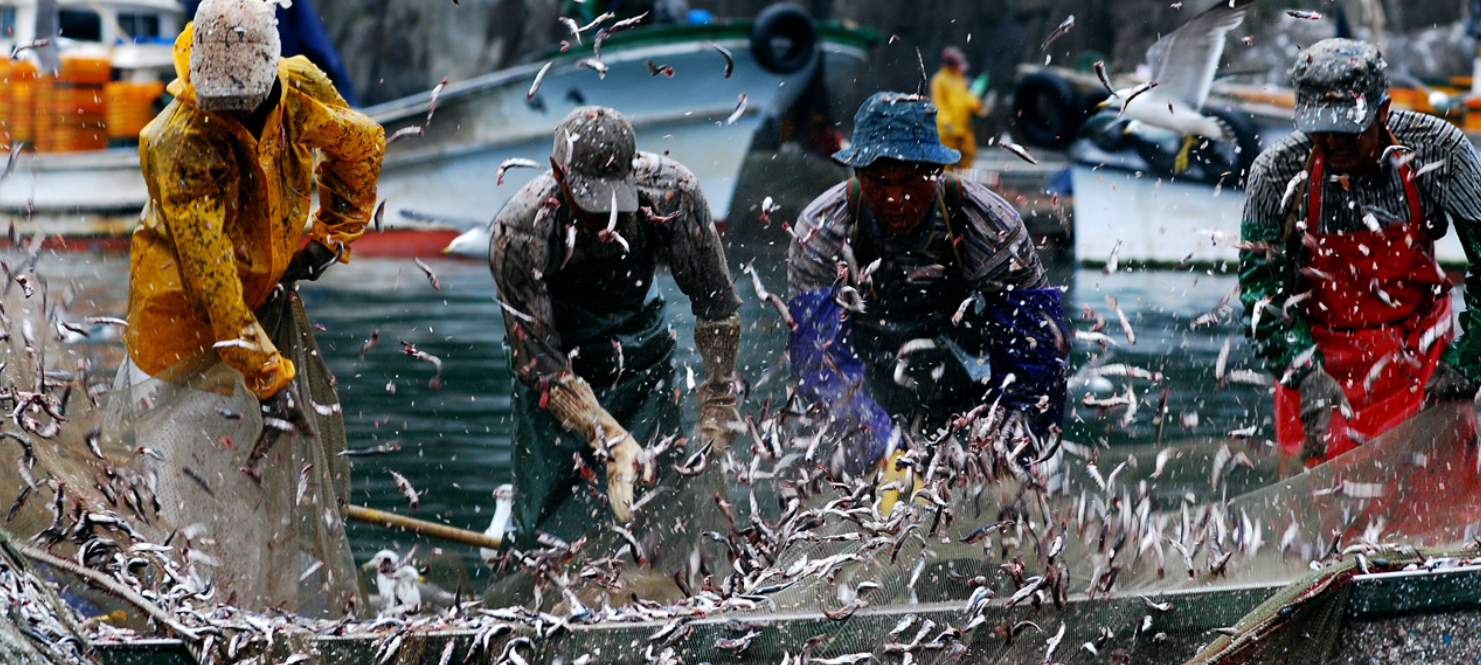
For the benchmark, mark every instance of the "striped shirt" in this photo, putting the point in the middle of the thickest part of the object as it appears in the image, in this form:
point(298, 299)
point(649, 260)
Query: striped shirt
point(1448, 181)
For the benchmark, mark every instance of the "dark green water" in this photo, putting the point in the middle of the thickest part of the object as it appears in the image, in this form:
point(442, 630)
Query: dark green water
point(455, 438)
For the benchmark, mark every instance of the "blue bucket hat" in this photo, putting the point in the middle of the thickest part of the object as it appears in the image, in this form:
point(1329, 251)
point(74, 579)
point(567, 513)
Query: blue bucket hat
point(895, 125)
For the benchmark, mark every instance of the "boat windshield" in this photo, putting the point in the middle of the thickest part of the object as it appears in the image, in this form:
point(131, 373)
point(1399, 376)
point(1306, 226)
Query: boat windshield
point(83, 25)
point(141, 27)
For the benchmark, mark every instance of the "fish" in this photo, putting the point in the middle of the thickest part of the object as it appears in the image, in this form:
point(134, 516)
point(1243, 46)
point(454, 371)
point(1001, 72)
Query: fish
point(627, 23)
point(413, 497)
point(383, 449)
point(427, 358)
point(375, 338)
point(572, 26)
point(431, 276)
point(768, 206)
point(1223, 359)
point(729, 59)
point(595, 65)
point(513, 163)
point(1064, 26)
point(597, 21)
point(193, 475)
point(1304, 15)
point(414, 130)
point(432, 103)
point(1135, 92)
point(380, 214)
point(740, 109)
point(105, 320)
point(1105, 78)
point(1018, 150)
point(655, 70)
point(539, 76)
point(1114, 261)
point(91, 439)
point(847, 659)
point(1125, 324)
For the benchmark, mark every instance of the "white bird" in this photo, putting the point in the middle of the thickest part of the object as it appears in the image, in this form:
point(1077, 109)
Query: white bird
point(1183, 64)
point(400, 588)
point(474, 242)
point(503, 506)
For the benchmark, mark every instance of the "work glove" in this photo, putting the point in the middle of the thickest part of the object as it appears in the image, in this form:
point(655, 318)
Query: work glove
point(1448, 384)
point(281, 414)
point(311, 262)
point(1319, 394)
point(573, 403)
point(719, 421)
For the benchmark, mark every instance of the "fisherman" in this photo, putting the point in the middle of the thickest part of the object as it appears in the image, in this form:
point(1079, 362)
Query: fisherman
point(230, 165)
point(957, 312)
point(1343, 298)
point(956, 105)
point(574, 256)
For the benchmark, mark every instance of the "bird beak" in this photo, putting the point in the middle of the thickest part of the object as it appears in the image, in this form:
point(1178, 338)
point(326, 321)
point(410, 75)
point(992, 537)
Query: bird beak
point(369, 565)
point(447, 250)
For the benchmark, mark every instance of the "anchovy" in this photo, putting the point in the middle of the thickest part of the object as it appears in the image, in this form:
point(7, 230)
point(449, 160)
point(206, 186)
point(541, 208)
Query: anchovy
point(729, 59)
point(1064, 27)
point(1305, 15)
point(1105, 78)
point(740, 109)
point(431, 276)
point(655, 70)
point(539, 76)
point(414, 130)
point(432, 103)
point(513, 163)
point(1136, 92)
point(412, 496)
point(595, 65)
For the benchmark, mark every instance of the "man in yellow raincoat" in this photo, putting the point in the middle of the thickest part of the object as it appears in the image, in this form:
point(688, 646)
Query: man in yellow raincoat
point(955, 106)
point(231, 164)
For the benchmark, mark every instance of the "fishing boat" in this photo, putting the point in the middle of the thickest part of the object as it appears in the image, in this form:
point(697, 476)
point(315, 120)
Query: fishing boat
point(86, 191)
point(1126, 195)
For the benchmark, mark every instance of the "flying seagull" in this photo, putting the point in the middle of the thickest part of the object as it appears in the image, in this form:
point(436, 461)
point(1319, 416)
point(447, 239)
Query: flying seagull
point(1182, 65)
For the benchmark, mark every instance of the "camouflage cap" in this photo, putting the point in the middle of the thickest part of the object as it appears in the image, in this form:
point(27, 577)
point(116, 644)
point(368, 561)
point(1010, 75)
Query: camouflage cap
point(596, 146)
point(895, 125)
point(1339, 85)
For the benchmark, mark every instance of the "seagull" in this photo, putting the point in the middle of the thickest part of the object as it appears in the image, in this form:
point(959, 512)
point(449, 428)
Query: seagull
point(400, 587)
point(1183, 64)
point(472, 243)
point(503, 506)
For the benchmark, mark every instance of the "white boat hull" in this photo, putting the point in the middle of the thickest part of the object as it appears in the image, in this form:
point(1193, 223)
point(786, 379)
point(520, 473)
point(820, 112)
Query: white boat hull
point(1167, 221)
point(445, 179)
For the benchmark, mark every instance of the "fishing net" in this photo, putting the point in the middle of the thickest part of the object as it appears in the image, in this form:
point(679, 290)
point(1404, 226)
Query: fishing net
point(982, 545)
point(163, 464)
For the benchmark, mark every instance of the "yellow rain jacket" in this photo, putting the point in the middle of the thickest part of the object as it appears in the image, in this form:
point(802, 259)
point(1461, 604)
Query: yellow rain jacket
point(226, 212)
point(954, 102)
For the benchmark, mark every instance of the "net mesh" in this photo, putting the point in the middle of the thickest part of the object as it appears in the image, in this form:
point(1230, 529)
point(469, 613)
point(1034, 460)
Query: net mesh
point(163, 463)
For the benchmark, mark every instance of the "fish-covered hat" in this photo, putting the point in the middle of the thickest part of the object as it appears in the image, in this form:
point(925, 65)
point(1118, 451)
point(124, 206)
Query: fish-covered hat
point(1339, 86)
point(596, 145)
point(234, 54)
point(895, 125)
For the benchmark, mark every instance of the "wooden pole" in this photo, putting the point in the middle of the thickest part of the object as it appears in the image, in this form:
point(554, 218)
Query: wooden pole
point(421, 527)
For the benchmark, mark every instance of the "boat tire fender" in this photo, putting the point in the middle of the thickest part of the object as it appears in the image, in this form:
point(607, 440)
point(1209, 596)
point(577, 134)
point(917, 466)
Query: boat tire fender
point(1046, 110)
point(787, 21)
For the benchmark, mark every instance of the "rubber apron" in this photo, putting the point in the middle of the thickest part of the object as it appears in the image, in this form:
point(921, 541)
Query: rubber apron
point(1380, 315)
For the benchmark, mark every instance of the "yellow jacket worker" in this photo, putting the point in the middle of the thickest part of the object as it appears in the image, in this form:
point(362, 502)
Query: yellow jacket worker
point(230, 166)
point(955, 106)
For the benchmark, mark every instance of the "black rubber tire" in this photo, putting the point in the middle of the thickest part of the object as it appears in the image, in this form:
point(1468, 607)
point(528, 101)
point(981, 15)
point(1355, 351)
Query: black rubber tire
point(1160, 157)
point(788, 22)
point(1222, 162)
point(1046, 110)
point(1106, 131)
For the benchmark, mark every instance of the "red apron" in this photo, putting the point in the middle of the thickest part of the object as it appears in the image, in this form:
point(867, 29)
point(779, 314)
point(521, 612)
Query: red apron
point(1369, 320)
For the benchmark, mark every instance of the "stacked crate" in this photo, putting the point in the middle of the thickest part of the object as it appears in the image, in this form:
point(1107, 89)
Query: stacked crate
point(16, 101)
point(130, 106)
point(71, 108)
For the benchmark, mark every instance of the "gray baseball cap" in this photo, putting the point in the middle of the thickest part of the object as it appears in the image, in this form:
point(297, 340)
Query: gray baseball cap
point(1339, 85)
point(596, 147)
